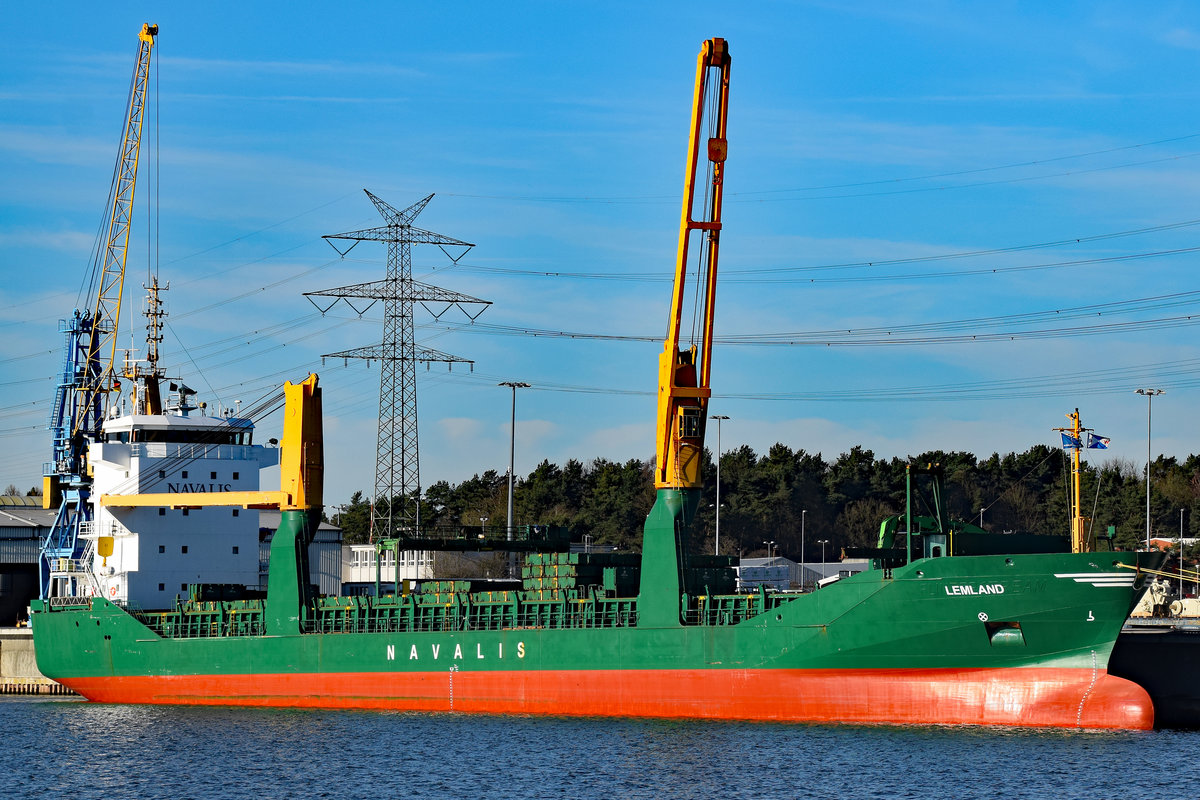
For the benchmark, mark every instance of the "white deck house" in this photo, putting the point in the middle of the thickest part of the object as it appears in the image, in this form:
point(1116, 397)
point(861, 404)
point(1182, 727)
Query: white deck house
point(359, 567)
point(157, 552)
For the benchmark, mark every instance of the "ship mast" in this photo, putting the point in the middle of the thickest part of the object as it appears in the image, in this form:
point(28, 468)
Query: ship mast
point(147, 397)
point(1079, 543)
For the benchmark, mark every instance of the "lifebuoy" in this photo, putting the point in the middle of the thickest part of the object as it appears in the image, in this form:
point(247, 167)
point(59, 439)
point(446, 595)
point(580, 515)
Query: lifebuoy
point(112, 590)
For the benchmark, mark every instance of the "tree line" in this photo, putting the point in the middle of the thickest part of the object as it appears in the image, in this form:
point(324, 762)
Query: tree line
point(788, 497)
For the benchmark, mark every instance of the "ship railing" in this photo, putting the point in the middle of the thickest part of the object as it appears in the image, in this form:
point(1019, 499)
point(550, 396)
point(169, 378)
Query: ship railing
point(70, 567)
point(70, 602)
point(176, 625)
point(719, 616)
point(423, 619)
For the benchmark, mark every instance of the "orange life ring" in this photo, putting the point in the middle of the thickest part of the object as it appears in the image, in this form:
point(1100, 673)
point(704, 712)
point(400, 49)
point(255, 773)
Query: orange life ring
point(113, 590)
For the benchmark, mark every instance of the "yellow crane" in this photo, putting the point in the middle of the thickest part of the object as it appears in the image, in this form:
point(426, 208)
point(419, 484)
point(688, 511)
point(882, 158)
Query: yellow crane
point(82, 396)
point(684, 368)
point(115, 252)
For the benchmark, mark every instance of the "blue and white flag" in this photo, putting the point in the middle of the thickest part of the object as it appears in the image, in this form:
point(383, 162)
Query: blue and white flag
point(1098, 442)
point(1070, 441)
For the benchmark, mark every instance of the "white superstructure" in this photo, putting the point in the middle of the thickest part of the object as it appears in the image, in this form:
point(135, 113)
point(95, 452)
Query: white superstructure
point(158, 551)
point(362, 563)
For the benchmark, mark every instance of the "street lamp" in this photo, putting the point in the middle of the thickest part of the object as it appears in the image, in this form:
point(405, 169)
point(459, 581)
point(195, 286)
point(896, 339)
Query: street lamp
point(482, 529)
point(1180, 554)
point(1149, 394)
point(512, 448)
point(770, 545)
point(823, 542)
point(717, 542)
point(803, 514)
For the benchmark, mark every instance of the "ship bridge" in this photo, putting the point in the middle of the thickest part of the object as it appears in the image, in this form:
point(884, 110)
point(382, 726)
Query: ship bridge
point(155, 552)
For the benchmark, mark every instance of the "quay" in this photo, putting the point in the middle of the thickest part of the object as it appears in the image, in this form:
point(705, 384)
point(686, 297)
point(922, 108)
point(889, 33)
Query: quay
point(18, 668)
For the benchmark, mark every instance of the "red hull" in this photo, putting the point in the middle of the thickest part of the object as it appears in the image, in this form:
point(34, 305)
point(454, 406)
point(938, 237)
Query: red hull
point(1046, 697)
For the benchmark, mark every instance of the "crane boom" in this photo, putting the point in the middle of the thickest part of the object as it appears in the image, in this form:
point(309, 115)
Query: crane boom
point(102, 351)
point(683, 373)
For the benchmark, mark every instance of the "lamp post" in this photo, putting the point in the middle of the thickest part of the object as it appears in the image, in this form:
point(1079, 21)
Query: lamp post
point(717, 539)
point(823, 542)
point(513, 443)
point(1180, 554)
point(770, 546)
point(803, 573)
point(1149, 394)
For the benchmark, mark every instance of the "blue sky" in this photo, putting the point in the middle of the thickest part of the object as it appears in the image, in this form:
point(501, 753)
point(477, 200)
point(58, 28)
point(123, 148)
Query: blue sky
point(553, 134)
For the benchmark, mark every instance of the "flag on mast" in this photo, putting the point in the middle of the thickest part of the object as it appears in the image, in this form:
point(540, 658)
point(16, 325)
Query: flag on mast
point(1098, 442)
point(1070, 442)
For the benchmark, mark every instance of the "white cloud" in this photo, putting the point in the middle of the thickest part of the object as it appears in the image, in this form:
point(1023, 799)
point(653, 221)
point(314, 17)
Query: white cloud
point(1184, 38)
point(459, 429)
point(67, 241)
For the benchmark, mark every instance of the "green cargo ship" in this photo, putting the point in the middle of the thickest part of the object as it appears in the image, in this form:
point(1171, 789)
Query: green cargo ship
point(940, 631)
point(1000, 639)
point(929, 635)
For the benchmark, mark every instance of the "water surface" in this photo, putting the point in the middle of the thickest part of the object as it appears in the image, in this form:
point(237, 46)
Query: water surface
point(72, 749)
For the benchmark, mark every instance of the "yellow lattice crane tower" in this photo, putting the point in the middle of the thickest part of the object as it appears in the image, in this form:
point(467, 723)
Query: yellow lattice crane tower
point(82, 398)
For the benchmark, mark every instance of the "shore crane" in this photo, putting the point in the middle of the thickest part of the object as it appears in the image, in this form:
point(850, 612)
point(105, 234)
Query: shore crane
point(87, 379)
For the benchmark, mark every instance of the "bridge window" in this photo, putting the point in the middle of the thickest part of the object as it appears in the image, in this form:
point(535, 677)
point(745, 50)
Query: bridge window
point(186, 436)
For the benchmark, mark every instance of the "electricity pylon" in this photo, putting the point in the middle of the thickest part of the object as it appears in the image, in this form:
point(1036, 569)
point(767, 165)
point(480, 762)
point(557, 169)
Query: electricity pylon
point(397, 462)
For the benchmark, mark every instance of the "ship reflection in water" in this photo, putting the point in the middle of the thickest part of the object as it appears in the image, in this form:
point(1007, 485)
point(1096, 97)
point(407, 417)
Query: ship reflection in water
point(83, 750)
